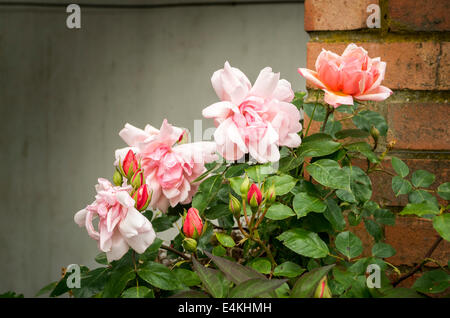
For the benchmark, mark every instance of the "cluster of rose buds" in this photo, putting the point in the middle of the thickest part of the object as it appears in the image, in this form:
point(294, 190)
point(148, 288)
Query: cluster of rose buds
point(192, 229)
point(254, 196)
point(130, 169)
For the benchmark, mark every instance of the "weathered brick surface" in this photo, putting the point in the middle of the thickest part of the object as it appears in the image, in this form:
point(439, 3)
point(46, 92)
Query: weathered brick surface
point(417, 15)
point(323, 15)
point(419, 126)
point(410, 65)
point(382, 182)
point(412, 237)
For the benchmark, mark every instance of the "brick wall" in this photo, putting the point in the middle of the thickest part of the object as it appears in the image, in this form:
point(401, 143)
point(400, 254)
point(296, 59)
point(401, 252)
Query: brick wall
point(414, 40)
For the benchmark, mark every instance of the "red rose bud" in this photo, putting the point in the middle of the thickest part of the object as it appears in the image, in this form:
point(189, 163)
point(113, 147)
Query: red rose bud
point(138, 179)
point(183, 137)
point(254, 196)
point(142, 198)
point(322, 290)
point(193, 225)
point(130, 164)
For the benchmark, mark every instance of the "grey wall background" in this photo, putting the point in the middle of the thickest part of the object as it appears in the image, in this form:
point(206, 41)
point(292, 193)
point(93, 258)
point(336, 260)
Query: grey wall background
point(65, 94)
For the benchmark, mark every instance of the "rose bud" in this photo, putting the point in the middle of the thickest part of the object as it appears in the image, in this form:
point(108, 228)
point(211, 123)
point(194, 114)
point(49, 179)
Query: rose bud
point(254, 196)
point(245, 186)
point(271, 194)
point(375, 133)
point(129, 164)
point(138, 179)
point(183, 137)
point(117, 178)
point(193, 225)
point(142, 198)
point(322, 290)
point(234, 206)
point(189, 244)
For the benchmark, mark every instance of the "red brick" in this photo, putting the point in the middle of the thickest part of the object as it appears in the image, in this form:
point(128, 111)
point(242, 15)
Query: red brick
point(417, 15)
point(322, 15)
point(410, 65)
point(412, 238)
point(382, 182)
point(419, 126)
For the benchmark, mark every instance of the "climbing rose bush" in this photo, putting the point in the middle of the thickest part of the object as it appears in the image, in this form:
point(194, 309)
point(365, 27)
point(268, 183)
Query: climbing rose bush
point(268, 209)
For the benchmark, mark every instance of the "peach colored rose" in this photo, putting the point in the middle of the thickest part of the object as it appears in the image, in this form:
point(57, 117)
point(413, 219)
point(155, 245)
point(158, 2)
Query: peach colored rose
point(255, 120)
point(353, 75)
point(120, 225)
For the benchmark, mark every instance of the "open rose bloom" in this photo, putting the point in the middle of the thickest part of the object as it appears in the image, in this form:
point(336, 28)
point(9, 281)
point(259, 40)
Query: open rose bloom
point(353, 75)
point(120, 225)
point(169, 167)
point(253, 119)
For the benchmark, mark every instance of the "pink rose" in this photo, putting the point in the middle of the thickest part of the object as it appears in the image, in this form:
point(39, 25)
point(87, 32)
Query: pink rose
point(120, 225)
point(352, 75)
point(169, 167)
point(256, 119)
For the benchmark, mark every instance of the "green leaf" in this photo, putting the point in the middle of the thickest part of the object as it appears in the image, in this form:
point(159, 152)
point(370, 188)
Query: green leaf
point(307, 283)
point(400, 186)
point(332, 126)
point(383, 250)
point(217, 211)
point(159, 276)
point(101, 258)
point(210, 278)
point(360, 183)
point(346, 195)
point(61, 286)
point(334, 215)
point(236, 183)
point(400, 292)
point(319, 113)
point(283, 183)
point(290, 162)
point(444, 191)
point(367, 118)
point(384, 216)
point(441, 224)
point(219, 250)
point(328, 173)
point(422, 178)
point(261, 265)
point(418, 196)
point(187, 277)
point(258, 172)
point(118, 281)
point(304, 243)
point(211, 186)
point(288, 269)
point(400, 167)
point(138, 292)
point(355, 133)
point(255, 287)
point(236, 170)
point(317, 145)
point(92, 282)
point(374, 229)
point(304, 203)
point(364, 149)
point(235, 272)
point(278, 211)
point(151, 252)
point(225, 239)
point(420, 209)
point(162, 223)
point(349, 244)
point(200, 201)
point(46, 289)
point(435, 281)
